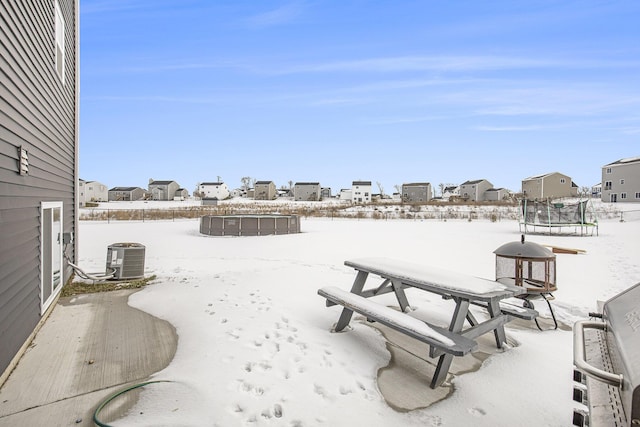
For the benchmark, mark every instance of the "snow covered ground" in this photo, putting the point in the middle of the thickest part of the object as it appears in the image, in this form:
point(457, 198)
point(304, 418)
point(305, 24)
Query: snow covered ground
point(255, 346)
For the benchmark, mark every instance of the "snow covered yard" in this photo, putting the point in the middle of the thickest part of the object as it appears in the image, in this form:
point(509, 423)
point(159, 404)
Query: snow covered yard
point(255, 346)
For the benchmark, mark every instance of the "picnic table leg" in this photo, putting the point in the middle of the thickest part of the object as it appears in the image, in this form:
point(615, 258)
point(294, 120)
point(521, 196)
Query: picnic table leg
point(470, 317)
point(498, 332)
point(356, 288)
point(400, 295)
point(444, 362)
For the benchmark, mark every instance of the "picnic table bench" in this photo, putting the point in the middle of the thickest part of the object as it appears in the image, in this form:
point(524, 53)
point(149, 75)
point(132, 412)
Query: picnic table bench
point(464, 290)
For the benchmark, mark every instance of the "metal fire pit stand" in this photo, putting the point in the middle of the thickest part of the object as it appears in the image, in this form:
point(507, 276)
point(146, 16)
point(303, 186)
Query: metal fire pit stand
point(531, 266)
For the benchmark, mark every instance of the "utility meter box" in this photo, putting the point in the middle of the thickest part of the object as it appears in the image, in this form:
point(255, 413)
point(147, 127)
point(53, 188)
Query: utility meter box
point(125, 260)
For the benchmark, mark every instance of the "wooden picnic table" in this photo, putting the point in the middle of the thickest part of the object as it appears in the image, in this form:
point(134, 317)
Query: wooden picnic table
point(464, 290)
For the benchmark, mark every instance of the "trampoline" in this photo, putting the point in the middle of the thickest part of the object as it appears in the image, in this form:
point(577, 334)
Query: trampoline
point(563, 218)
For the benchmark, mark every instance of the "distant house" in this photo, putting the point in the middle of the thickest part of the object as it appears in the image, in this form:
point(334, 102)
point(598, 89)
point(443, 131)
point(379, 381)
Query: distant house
point(474, 191)
point(163, 190)
point(213, 190)
point(325, 193)
point(306, 191)
point(126, 194)
point(284, 192)
point(91, 191)
point(264, 190)
point(416, 192)
point(181, 194)
point(596, 190)
point(552, 185)
point(345, 194)
point(450, 191)
point(361, 191)
point(496, 194)
point(621, 181)
point(38, 166)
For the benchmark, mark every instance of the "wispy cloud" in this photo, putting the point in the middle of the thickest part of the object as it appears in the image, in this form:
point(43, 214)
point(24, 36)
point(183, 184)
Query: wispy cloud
point(405, 120)
point(104, 6)
point(511, 128)
point(423, 63)
point(282, 15)
point(154, 99)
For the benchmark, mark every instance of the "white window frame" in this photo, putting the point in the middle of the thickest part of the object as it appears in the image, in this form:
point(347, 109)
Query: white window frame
point(623, 196)
point(59, 43)
point(56, 255)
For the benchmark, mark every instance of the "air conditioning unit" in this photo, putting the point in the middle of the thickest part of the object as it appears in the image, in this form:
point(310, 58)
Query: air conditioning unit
point(125, 260)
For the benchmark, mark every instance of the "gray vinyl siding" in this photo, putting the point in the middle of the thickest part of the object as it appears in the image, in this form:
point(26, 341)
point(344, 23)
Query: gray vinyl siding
point(39, 113)
point(629, 172)
point(419, 192)
point(549, 186)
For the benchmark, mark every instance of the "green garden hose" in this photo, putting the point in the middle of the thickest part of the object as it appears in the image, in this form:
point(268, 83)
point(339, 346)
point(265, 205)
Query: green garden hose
point(110, 398)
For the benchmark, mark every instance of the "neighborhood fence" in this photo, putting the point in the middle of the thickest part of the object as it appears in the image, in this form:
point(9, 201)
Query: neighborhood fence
point(352, 212)
point(627, 216)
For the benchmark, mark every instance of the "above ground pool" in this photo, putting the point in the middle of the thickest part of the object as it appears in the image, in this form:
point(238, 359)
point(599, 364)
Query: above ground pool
point(249, 225)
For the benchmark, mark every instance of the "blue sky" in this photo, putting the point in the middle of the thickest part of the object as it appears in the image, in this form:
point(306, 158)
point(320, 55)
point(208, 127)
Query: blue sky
point(337, 91)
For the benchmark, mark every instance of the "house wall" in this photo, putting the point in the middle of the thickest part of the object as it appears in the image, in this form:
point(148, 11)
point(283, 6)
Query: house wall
point(361, 192)
point(265, 191)
point(218, 190)
point(552, 186)
point(475, 190)
point(495, 195)
point(532, 188)
point(621, 182)
point(346, 194)
point(164, 191)
point(557, 185)
point(92, 191)
point(39, 112)
point(306, 192)
point(413, 193)
point(126, 196)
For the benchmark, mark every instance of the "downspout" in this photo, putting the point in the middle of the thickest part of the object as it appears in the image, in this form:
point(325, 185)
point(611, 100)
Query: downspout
point(76, 127)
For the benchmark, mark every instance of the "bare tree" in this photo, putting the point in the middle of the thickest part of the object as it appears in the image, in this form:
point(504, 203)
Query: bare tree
point(380, 189)
point(441, 187)
point(246, 182)
point(398, 188)
point(585, 190)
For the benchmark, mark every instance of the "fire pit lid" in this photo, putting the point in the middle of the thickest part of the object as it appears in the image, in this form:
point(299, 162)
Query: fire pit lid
point(524, 249)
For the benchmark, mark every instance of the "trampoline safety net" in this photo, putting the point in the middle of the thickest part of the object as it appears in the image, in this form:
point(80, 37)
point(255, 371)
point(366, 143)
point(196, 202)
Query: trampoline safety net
point(558, 215)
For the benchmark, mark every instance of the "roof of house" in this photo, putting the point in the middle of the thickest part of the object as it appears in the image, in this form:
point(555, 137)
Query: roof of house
point(416, 184)
point(543, 176)
point(161, 182)
point(264, 182)
point(307, 183)
point(211, 183)
point(361, 183)
point(451, 188)
point(124, 188)
point(473, 182)
point(625, 161)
